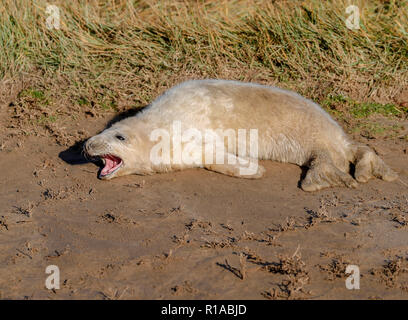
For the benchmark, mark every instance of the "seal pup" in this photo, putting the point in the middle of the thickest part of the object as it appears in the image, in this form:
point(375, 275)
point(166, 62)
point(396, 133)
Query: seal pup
point(290, 128)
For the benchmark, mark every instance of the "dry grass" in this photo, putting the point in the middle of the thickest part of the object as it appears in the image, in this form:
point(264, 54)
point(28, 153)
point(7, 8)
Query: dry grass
point(241, 272)
point(26, 209)
point(321, 215)
point(391, 272)
point(336, 268)
point(122, 53)
point(297, 277)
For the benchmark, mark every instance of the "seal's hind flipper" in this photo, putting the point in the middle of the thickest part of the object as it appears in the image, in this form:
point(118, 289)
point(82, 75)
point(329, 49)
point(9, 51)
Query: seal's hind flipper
point(369, 165)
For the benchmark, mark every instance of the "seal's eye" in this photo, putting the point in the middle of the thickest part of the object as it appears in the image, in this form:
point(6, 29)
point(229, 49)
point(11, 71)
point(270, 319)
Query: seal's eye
point(119, 137)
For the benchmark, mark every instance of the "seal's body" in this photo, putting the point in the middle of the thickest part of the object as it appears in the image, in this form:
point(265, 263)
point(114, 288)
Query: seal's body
point(289, 128)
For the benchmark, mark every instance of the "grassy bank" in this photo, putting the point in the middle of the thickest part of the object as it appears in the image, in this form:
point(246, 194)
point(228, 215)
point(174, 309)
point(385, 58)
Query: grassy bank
point(115, 55)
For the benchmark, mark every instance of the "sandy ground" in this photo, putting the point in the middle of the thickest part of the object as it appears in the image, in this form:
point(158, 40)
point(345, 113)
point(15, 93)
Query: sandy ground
point(193, 234)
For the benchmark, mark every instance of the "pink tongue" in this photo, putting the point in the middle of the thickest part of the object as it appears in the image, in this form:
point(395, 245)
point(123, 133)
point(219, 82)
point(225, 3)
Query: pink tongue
point(110, 164)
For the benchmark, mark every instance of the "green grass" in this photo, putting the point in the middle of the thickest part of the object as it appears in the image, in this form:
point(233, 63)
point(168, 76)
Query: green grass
point(47, 119)
point(378, 130)
point(33, 93)
point(82, 101)
point(363, 110)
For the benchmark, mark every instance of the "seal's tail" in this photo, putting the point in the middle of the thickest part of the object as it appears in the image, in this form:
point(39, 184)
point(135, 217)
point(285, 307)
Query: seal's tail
point(368, 164)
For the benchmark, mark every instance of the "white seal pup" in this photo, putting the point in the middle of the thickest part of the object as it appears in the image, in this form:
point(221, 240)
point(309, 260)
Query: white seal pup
point(290, 129)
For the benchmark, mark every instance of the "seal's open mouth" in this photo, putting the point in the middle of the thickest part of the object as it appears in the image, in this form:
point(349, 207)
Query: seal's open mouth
point(111, 164)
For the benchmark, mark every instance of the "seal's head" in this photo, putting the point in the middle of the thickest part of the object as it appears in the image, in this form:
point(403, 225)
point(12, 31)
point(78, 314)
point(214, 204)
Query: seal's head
point(123, 149)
